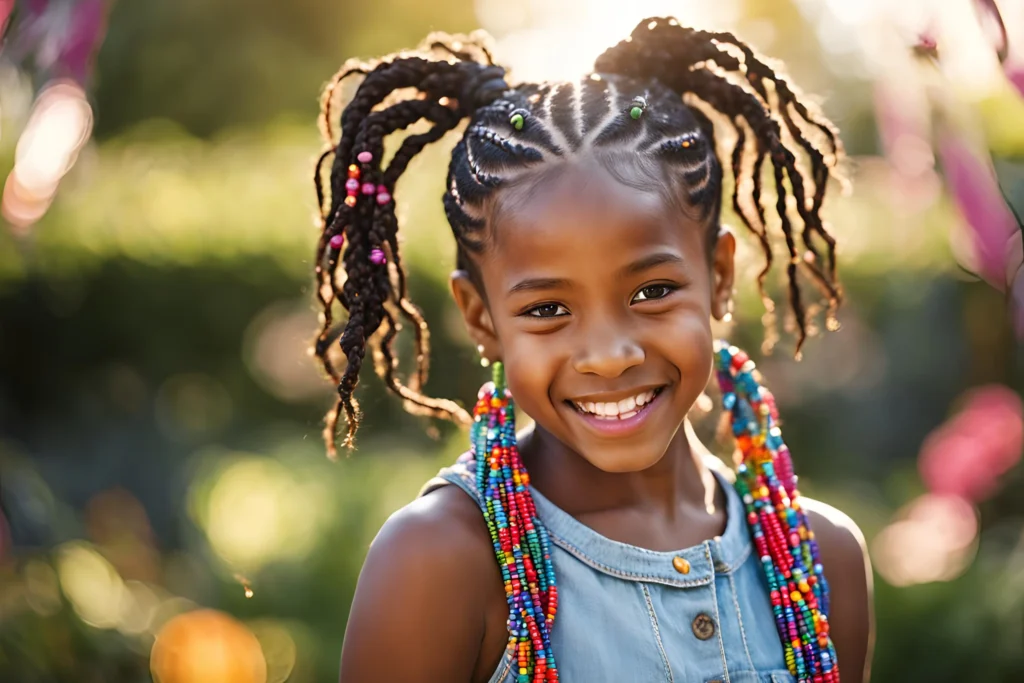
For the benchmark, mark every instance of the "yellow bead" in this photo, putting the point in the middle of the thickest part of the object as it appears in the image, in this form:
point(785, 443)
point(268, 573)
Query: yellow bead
point(804, 588)
point(796, 597)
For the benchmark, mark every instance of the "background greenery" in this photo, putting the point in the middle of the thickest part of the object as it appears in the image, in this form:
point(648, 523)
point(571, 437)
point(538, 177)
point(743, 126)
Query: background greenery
point(160, 422)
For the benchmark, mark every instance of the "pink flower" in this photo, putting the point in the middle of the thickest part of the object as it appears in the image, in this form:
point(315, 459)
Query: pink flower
point(6, 7)
point(994, 27)
point(975, 189)
point(82, 39)
point(58, 41)
point(966, 455)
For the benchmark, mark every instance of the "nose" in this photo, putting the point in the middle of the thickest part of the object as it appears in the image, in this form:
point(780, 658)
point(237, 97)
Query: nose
point(607, 352)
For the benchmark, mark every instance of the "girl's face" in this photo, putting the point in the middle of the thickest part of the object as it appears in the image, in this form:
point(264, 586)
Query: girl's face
point(598, 301)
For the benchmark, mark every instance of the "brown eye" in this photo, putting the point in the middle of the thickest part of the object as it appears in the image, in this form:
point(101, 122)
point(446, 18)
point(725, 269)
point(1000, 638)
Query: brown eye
point(548, 311)
point(653, 292)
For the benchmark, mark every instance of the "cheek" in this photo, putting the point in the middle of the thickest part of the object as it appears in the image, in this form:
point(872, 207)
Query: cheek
point(684, 338)
point(530, 368)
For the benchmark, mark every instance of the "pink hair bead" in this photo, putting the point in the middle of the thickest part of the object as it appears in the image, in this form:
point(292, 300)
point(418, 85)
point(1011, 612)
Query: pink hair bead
point(368, 188)
point(352, 185)
point(377, 257)
point(337, 241)
point(383, 198)
point(364, 157)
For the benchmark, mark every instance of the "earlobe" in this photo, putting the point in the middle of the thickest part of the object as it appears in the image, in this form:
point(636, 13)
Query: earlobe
point(723, 273)
point(475, 315)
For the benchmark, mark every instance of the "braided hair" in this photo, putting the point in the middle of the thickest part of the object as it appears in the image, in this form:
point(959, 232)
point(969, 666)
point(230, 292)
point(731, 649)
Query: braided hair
point(691, 83)
point(453, 78)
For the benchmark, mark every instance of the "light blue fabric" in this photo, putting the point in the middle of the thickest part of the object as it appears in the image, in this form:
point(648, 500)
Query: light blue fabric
point(626, 614)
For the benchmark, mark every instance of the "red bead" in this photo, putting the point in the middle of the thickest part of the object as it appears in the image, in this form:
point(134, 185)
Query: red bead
point(739, 359)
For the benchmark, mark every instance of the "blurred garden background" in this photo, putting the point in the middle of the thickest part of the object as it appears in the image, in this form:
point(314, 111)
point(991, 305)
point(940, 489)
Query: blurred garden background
point(161, 466)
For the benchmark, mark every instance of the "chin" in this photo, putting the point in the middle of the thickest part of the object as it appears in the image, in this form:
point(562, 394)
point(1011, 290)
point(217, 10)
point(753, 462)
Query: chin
point(621, 460)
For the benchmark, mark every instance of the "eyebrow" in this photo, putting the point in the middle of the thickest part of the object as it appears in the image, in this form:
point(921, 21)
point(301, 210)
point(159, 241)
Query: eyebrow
point(638, 266)
point(538, 283)
point(648, 262)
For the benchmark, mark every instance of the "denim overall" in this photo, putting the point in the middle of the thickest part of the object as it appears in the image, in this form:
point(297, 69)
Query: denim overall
point(628, 614)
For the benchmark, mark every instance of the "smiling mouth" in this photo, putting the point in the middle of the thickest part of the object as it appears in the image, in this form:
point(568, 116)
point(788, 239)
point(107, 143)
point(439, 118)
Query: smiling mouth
point(617, 410)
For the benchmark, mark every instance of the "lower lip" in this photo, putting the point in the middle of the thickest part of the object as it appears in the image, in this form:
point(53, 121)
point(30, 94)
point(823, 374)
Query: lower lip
point(618, 427)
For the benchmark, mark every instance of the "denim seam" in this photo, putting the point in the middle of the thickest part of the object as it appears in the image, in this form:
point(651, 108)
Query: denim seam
point(507, 660)
point(718, 632)
point(739, 617)
point(657, 631)
point(465, 481)
point(728, 568)
point(652, 578)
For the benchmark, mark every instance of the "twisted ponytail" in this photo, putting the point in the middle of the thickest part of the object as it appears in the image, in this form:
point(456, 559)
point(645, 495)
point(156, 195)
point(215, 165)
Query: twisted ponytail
point(452, 78)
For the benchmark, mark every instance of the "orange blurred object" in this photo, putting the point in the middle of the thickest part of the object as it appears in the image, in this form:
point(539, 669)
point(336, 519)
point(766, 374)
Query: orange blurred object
point(207, 646)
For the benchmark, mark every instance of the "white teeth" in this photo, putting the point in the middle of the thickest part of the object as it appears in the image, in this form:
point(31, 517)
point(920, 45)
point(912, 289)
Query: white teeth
point(621, 410)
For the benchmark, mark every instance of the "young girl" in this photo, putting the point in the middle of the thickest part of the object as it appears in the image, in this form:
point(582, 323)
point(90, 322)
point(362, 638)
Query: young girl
point(604, 544)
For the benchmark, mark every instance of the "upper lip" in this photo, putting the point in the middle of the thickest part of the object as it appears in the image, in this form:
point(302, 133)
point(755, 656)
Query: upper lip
point(615, 396)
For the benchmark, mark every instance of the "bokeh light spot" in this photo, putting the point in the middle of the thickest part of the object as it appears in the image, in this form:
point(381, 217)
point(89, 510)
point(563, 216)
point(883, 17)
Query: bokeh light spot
point(207, 646)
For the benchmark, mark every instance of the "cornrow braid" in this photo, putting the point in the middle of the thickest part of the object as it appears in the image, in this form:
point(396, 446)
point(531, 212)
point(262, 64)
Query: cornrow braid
point(688, 82)
point(701, 64)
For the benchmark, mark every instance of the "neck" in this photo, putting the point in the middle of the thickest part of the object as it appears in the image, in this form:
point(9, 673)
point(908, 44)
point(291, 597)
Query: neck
point(681, 481)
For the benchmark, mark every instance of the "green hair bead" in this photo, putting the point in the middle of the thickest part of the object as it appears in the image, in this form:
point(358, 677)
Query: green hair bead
point(498, 375)
point(517, 121)
point(637, 109)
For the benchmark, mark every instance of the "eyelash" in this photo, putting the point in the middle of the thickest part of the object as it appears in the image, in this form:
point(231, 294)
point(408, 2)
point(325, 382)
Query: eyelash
point(532, 313)
point(667, 289)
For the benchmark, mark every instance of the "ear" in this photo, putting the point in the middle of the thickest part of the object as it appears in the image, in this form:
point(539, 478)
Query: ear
point(475, 315)
point(723, 274)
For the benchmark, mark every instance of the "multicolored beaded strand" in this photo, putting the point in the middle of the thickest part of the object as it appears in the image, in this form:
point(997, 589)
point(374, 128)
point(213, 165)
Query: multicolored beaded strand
point(353, 188)
point(778, 524)
point(521, 543)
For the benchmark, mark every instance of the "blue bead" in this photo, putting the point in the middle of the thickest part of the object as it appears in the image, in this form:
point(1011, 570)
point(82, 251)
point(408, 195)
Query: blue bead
point(729, 401)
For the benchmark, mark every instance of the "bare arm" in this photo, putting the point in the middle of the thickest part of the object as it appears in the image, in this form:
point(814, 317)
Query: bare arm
point(848, 571)
point(419, 607)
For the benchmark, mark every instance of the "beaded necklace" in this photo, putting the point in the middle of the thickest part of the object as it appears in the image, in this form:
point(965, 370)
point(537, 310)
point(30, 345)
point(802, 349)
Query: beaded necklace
point(765, 480)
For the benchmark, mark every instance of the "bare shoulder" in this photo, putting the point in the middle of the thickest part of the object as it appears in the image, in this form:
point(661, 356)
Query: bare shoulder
point(844, 556)
point(445, 521)
point(836, 533)
point(427, 571)
point(440, 536)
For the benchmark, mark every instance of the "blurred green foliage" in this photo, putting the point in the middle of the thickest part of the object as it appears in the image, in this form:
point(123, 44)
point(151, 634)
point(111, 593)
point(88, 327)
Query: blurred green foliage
point(152, 362)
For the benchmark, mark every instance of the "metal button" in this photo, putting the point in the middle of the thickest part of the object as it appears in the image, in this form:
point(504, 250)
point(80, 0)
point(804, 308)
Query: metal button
point(681, 565)
point(703, 626)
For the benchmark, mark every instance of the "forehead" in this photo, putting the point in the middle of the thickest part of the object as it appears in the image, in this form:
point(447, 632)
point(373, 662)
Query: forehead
point(582, 214)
